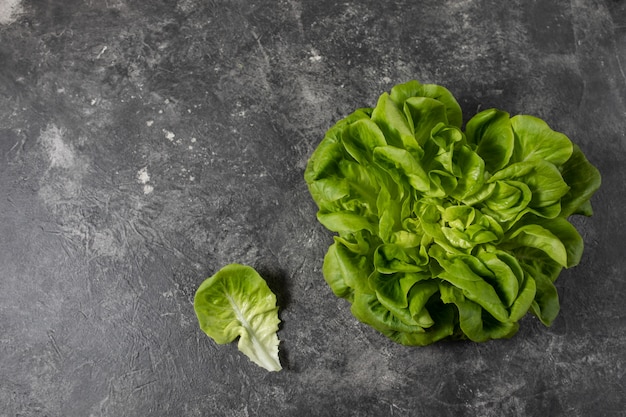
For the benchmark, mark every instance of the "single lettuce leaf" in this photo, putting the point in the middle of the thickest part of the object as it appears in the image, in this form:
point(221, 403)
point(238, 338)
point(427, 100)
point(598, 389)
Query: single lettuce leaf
point(393, 123)
point(236, 302)
point(424, 114)
point(392, 292)
point(360, 139)
point(535, 140)
point(402, 92)
point(542, 178)
point(476, 324)
point(345, 271)
point(584, 180)
point(538, 237)
point(491, 133)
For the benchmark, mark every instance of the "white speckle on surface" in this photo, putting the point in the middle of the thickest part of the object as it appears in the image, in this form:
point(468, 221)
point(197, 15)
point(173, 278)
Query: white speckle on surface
point(142, 175)
point(169, 135)
point(193, 140)
point(104, 49)
point(192, 178)
point(9, 11)
point(315, 56)
point(93, 101)
point(60, 153)
point(149, 123)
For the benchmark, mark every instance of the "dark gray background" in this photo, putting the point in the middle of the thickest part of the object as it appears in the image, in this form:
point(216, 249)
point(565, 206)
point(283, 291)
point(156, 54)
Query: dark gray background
point(146, 144)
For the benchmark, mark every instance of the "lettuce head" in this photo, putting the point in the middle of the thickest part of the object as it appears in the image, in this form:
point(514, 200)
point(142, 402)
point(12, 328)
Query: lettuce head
point(445, 231)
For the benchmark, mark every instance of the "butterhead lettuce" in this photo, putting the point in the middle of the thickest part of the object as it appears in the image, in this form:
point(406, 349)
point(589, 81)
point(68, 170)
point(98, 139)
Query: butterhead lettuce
point(444, 231)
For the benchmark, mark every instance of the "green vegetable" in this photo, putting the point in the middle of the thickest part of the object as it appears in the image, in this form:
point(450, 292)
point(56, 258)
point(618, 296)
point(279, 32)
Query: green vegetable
point(445, 233)
point(236, 302)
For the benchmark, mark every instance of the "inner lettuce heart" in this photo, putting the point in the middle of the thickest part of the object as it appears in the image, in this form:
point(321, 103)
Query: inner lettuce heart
point(444, 231)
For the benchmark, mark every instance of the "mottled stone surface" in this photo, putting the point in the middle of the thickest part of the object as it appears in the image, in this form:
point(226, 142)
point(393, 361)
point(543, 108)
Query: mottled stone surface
point(145, 144)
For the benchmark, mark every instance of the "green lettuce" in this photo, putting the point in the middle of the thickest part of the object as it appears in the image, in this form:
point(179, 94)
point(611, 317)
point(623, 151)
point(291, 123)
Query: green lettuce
point(237, 303)
point(444, 231)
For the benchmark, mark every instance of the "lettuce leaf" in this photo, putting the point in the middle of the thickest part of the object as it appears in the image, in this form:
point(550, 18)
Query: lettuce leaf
point(444, 232)
point(237, 303)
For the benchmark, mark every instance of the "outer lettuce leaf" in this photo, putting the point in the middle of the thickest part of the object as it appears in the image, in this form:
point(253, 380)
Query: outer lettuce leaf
point(491, 133)
point(345, 271)
point(471, 169)
point(423, 114)
point(542, 178)
point(391, 258)
point(444, 233)
point(538, 237)
point(393, 122)
point(469, 275)
point(535, 140)
point(402, 92)
point(583, 180)
point(565, 233)
point(544, 272)
point(392, 291)
point(323, 162)
point(236, 302)
point(360, 138)
point(402, 167)
point(546, 304)
point(368, 309)
point(418, 297)
point(476, 324)
point(346, 221)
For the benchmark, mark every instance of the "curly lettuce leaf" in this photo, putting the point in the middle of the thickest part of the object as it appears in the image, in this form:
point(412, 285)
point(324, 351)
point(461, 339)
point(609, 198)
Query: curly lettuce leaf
point(413, 89)
point(491, 134)
point(583, 179)
point(534, 139)
point(237, 303)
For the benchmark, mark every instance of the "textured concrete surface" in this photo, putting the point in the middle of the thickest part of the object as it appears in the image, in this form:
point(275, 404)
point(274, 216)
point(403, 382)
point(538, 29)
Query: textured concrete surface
point(145, 144)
